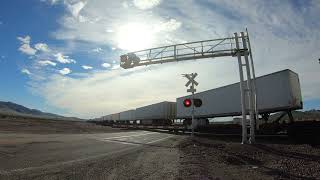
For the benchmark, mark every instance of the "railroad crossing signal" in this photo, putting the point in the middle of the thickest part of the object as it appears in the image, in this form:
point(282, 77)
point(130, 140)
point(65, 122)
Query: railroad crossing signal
point(191, 82)
point(191, 79)
point(196, 102)
point(187, 102)
point(192, 89)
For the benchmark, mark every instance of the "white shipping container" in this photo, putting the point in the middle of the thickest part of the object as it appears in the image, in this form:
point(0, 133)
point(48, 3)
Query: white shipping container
point(279, 91)
point(129, 115)
point(115, 117)
point(108, 117)
point(163, 110)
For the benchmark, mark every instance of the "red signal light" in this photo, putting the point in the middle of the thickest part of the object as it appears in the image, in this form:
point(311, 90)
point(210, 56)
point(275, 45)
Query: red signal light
point(187, 102)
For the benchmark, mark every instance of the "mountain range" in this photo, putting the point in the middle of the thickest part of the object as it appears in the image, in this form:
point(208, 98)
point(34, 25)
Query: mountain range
point(10, 108)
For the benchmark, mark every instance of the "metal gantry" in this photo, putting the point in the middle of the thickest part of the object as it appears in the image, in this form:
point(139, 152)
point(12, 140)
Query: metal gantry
point(235, 46)
point(179, 52)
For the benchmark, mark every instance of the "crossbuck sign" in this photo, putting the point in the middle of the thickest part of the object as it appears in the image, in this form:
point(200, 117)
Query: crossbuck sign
point(192, 90)
point(191, 81)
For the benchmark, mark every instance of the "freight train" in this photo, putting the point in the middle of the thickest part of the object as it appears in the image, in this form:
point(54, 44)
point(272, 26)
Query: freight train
point(276, 92)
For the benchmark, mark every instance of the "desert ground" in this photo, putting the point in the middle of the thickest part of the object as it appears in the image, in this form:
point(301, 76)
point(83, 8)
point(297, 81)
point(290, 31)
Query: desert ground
point(41, 149)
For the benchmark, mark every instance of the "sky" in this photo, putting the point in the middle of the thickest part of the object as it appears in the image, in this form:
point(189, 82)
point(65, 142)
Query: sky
point(62, 56)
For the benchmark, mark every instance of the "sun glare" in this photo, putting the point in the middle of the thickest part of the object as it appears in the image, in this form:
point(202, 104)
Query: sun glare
point(135, 36)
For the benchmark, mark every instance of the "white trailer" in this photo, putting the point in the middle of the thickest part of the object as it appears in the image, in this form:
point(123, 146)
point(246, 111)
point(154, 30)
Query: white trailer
point(279, 91)
point(159, 111)
point(129, 115)
point(108, 117)
point(115, 117)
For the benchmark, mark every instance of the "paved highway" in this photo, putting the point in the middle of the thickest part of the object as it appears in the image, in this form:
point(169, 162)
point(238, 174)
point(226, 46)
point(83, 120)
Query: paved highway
point(28, 152)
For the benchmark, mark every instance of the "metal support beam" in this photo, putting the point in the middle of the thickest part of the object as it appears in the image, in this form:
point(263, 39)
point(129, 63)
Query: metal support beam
point(192, 120)
point(254, 89)
point(242, 91)
point(249, 93)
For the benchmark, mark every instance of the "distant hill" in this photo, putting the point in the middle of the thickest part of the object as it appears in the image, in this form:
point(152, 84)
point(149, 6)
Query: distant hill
point(16, 109)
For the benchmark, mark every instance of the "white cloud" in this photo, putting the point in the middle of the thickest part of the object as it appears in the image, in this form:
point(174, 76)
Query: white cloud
point(52, 2)
point(115, 66)
point(76, 8)
point(109, 31)
point(25, 40)
point(83, 19)
point(170, 25)
point(86, 67)
point(26, 49)
point(146, 4)
point(125, 4)
point(282, 37)
point(63, 59)
point(106, 65)
point(25, 71)
point(143, 26)
point(41, 47)
point(65, 71)
point(25, 46)
point(97, 50)
point(135, 36)
point(47, 62)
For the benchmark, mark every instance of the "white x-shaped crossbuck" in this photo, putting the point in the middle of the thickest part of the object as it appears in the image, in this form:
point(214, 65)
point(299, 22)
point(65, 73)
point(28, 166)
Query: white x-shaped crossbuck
point(191, 78)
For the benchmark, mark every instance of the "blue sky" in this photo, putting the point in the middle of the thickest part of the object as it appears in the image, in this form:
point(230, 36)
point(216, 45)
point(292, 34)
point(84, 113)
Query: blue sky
point(62, 56)
point(17, 19)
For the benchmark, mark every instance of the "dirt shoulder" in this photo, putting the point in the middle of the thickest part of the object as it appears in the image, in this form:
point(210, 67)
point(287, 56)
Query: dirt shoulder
point(149, 161)
point(202, 158)
point(43, 126)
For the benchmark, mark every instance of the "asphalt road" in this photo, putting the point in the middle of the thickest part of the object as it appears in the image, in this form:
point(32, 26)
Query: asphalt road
point(29, 152)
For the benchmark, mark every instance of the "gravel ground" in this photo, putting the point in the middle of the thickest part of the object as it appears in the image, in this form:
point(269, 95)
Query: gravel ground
point(202, 158)
point(184, 157)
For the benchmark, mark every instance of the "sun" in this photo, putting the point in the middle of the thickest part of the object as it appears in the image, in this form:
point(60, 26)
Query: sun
point(135, 36)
